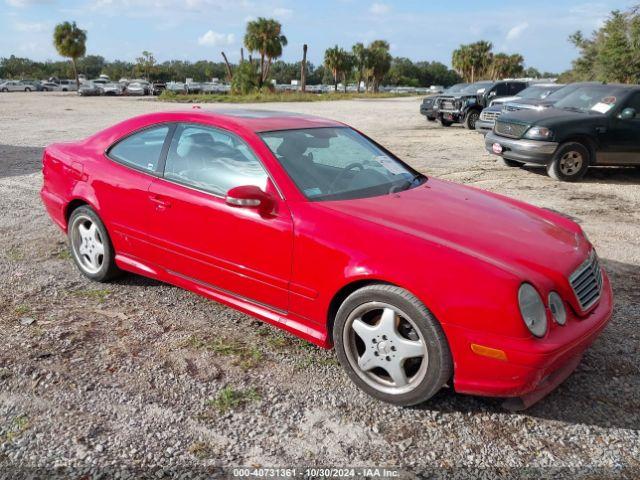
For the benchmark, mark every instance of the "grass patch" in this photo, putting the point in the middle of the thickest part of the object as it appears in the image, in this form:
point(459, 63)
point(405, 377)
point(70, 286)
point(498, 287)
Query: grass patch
point(15, 254)
point(247, 356)
point(63, 254)
point(17, 426)
point(98, 294)
point(265, 97)
point(21, 310)
point(201, 450)
point(229, 399)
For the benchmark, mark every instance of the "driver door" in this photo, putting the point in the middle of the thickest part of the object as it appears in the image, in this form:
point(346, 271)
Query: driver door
point(197, 236)
point(621, 145)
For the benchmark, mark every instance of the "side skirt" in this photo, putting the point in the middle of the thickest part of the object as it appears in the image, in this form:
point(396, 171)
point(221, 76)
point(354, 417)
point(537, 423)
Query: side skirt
point(283, 320)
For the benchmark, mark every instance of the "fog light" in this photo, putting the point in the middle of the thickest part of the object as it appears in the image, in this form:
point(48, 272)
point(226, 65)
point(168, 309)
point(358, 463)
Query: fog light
point(488, 352)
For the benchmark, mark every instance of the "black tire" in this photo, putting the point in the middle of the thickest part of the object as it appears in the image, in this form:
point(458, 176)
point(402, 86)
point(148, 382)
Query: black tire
point(108, 268)
point(5, 89)
point(27, 89)
point(570, 162)
point(431, 119)
point(470, 119)
point(438, 368)
point(445, 123)
point(511, 163)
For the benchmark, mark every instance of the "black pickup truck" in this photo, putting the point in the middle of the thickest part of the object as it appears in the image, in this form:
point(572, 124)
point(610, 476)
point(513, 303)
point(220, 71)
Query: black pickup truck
point(465, 107)
point(594, 125)
point(427, 107)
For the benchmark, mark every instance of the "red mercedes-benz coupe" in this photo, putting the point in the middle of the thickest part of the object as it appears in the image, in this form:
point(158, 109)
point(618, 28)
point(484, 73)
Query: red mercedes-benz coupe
point(308, 224)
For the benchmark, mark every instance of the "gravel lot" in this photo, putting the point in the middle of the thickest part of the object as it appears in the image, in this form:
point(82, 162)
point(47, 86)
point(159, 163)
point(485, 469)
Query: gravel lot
point(137, 374)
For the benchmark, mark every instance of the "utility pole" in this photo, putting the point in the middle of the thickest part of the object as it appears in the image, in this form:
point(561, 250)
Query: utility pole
point(303, 69)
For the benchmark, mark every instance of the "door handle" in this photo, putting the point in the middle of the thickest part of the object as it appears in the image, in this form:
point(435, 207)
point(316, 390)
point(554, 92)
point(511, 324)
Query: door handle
point(161, 202)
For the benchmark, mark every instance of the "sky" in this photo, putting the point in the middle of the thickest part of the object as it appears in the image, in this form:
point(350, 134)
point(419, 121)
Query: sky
point(201, 29)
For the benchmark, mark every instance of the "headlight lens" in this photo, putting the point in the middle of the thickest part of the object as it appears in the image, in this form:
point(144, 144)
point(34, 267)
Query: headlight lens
point(556, 305)
point(539, 133)
point(532, 310)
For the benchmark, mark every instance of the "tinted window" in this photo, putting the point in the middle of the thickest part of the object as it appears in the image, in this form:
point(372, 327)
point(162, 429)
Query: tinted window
point(338, 164)
point(634, 102)
point(212, 160)
point(141, 150)
point(598, 99)
point(500, 89)
point(515, 87)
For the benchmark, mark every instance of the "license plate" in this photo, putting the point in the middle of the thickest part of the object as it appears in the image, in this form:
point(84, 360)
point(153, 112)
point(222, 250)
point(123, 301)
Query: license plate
point(497, 148)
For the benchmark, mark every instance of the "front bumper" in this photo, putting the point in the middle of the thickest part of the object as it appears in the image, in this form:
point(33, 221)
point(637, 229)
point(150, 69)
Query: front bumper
point(533, 367)
point(521, 150)
point(484, 126)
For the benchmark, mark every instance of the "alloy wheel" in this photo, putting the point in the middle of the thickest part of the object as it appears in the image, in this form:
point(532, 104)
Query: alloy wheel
point(571, 163)
point(385, 348)
point(87, 244)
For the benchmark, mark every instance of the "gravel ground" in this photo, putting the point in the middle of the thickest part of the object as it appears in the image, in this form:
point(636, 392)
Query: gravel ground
point(143, 376)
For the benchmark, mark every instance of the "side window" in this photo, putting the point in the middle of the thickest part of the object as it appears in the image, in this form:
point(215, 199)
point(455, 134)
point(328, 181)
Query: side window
point(501, 90)
point(516, 87)
point(212, 160)
point(634, 102)
point(141, 150)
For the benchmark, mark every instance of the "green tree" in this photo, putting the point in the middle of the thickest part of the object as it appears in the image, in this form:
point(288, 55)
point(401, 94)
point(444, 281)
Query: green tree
point(245, 79)
point(336, 60)
point(265, 37)
point(473, 61)
point(70, 41)
point(378, 62)
point(359, 53)
point(145, 64)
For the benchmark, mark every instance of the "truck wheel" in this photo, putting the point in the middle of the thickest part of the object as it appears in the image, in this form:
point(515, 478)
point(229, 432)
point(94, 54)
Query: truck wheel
point(431, 119)
point(570, 162)
point(391, 346)
point(511, 163)
point(471, 119)
point(445, 123)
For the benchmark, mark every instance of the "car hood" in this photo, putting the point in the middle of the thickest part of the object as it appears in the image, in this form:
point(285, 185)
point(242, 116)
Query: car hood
point(505, 99)
point(550, 117)
point(509, 234)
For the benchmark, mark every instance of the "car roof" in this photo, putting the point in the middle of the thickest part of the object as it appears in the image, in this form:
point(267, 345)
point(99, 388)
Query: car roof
point(260, 120)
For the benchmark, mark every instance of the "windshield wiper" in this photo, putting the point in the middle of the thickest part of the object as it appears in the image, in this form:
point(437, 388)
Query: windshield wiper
point(407, 184)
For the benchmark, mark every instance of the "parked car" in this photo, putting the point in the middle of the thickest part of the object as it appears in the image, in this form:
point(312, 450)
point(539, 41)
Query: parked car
point(138, 88)
point(536, 93)
point(193, 87)
point(428, 108)
point(324, 233)
point(594, 125)
point(68, 85)
point(541, 104)
point(50, 87)
point(17, 86)
point(158, 87)
point(110, 89)
point(465, 107)
point(177, 87)
point(88, 89)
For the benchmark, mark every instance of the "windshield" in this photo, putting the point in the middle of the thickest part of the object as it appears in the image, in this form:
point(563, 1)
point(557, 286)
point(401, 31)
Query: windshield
point(458, 87)
point(537, 92)
point(475, 88)
point(597, 99)
point(337, 163)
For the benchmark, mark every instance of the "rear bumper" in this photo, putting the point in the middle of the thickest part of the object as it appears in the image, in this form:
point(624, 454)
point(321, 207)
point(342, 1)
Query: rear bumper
point(533, 367)
point(522, 150)
point(55, 207)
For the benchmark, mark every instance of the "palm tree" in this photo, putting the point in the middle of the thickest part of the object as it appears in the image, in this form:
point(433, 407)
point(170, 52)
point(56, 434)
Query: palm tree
point(264, 35)
point(359, 53)
point(378, 61)
point(333, 60)
point(70, 41)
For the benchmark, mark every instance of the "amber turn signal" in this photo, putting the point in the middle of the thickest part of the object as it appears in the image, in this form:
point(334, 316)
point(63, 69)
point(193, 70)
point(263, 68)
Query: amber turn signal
point(488, 352)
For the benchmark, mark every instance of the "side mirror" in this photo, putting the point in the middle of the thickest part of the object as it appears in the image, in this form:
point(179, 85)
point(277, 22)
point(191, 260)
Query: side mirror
point(492, 94)
point(627, 114)
point(249, 196)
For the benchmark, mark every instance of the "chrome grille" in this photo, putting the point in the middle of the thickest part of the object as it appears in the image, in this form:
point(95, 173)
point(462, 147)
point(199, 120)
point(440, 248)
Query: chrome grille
point(512, 130)
point(586, 282)
point(489, 116)
point(447, 103)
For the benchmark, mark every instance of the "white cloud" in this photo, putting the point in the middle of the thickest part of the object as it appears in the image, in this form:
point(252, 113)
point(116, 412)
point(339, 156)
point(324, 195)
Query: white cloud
point(283, 13)
point(34, 27)
point(379, 8)
point(214, 39)
point(26, 3)
point(516, 31)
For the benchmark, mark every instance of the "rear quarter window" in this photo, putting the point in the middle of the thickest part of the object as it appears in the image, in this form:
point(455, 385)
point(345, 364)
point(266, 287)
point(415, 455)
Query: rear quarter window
point(140, 150)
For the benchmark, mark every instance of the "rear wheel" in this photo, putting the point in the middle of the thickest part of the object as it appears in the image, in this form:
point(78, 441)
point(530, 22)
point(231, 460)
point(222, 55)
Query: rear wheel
point(471, 119)
point(27, 89)
point(5, 89)
point(91, 246)
point(570, 162)
point(511, 163)
point(391, 346)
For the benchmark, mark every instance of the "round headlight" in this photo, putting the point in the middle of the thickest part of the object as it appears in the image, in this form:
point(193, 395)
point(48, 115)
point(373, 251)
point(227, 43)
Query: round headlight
point(532, 310)
point(556, 305)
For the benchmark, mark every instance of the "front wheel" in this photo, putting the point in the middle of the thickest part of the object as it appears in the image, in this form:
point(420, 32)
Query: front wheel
point(27, 89)
point(471, 119)
point(570, 162)
point(91, 246)
point(445, 123)
point(391, 346)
